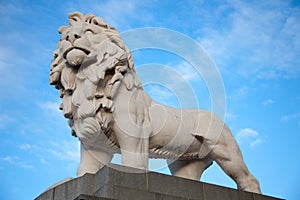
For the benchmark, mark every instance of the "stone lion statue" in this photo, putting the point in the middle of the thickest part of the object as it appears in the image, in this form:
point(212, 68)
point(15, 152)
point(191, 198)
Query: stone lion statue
point(109, 111)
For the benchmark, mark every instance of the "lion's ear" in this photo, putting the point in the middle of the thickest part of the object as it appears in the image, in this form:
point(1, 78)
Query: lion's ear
point(75, 17)
point(62, 29)
point(89, 18)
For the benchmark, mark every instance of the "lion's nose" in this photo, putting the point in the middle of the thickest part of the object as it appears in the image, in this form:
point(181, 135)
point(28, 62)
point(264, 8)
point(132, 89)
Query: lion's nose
point(72, 36)
point(67, 112)
point(68, 115)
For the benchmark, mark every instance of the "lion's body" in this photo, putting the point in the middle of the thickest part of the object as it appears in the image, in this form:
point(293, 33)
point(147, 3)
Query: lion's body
point(110, 113)
point(171, 132)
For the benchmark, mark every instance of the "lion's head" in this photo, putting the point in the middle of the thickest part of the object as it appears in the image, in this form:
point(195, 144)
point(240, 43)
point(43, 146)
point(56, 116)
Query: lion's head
point(87, 39)
point(88, 65)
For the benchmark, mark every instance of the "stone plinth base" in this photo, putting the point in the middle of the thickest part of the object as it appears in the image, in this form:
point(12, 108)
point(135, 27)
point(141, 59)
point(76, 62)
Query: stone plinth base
point(116, 182)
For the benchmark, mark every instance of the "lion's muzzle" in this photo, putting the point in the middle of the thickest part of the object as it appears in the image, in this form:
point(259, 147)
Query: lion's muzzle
point(75, 48)
point(76, 57)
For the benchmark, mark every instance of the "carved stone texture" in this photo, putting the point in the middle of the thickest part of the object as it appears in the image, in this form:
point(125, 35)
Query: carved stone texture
point(109, 111)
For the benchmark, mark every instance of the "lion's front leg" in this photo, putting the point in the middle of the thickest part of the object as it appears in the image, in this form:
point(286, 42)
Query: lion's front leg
point(135, 152)
point(134, 149)
point(92, 160)
point(132, 126)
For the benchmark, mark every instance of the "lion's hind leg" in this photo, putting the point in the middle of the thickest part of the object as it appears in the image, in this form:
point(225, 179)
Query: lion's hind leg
point(190, 169)
point(227, 154)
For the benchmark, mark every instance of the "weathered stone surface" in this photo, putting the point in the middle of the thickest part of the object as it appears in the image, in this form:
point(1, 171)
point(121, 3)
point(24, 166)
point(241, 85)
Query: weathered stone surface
point(47, 195)
point(116, 182)
point(71, 189)
point(90, 197)
point(219, 193)
point(185, 188)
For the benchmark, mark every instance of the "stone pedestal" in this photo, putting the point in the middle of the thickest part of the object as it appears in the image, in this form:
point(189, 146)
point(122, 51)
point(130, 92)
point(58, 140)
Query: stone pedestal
point(116, 182)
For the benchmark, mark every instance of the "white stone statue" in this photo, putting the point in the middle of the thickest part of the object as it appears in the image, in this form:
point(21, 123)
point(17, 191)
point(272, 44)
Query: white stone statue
point(109, 111)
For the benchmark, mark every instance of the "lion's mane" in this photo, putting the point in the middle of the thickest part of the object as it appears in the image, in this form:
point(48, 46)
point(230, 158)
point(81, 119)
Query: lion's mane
point(92, 83)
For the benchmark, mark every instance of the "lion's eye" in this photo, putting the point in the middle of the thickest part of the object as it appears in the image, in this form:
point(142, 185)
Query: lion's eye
point(74, 19)
point(69, 92)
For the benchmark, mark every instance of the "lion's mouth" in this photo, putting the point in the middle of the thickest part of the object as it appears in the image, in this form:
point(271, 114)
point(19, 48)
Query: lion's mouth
point(87, 52)
point(75, 56)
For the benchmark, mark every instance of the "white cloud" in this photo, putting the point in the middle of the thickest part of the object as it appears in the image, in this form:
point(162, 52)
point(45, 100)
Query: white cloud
point(187, 72)
point(255, 142)
point(65, 150)
point(247, 132)
point(295, 116)
point(50, 106)
point(4, 119)
point(249, 136)
point(43, 161)
point(230, 116)
point(240, 92)
point(169, 85)
point(8, 8)
point(15, 160)
point(119, 14)
point(259, 39)
point(159, 91)
point(268, 102)
point(161, 94)
point(26, 146)
point(5, 54)
point(9, 158)
point(289, 117)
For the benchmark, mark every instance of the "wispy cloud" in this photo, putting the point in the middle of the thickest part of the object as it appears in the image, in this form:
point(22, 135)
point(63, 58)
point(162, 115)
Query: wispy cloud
point(255, 142)
point(65, 150)
point(43, 161)
point(4, 119)
point(242, 91)
point(239, 92)
point(161, 94)
point(15, 160)
point(230, 116)
point(246, 132)
point(268, 102)
point(290, 117)
point(8, 7)
point(187, 71)
point(5, 54)
point(248, 135)
point(27, 146)
point(170, 85)
point(260, 39)
point(118, 13)
point(50, 106)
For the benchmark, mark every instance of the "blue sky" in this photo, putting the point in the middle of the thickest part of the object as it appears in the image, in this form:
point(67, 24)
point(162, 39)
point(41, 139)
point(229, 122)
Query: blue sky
point(254, 44)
